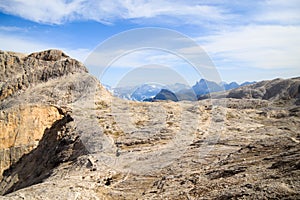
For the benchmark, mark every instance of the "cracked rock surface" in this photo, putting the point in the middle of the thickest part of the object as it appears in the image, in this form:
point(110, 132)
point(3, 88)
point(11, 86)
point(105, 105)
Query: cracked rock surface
point(63, 136)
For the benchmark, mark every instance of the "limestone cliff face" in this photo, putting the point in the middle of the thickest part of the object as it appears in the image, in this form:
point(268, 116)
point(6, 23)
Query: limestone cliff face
point(31, 88)
point(21, 128)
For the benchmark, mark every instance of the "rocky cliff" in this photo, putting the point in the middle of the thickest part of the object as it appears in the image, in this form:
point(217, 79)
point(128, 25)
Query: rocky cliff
point(277, 90)
point(37, 91)
point(21, 128)
point(18, 72)
point(63, 136)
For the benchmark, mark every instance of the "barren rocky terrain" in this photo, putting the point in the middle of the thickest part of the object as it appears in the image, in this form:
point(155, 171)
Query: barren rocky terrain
point(63, 136)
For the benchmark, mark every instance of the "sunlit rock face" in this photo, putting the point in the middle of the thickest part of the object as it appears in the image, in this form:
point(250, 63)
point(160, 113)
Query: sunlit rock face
point(21, 128)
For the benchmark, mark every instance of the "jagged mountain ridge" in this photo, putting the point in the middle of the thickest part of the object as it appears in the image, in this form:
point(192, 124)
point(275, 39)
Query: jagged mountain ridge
point(145, 91)
point(199, 89)
point(75, 141)
point(182, 91)
point(277, 89)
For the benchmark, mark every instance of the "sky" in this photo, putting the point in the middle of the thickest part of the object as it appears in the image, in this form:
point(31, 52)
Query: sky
point(243, 40)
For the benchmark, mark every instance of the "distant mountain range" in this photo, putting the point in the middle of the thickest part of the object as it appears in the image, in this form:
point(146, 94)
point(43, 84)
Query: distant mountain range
point(137, 93)
point(282, 90)
point(175, 92)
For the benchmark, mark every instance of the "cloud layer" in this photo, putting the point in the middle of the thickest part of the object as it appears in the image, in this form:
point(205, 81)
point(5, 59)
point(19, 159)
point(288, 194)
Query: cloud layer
point(176, 11)
point(106, 11)
point(261, 46)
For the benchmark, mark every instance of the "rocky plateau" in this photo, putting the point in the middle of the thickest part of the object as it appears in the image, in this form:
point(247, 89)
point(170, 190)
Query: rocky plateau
point(64, 136)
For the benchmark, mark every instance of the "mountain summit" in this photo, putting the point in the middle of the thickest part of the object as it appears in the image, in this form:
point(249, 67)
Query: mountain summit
point(146, 92)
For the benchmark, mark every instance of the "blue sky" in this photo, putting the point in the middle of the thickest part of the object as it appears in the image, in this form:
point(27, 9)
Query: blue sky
point(246, 40)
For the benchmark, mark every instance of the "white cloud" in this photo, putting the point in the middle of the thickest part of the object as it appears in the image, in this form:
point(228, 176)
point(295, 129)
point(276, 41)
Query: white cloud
point(18, 44)
point(198, 12)
point(25, 45)
point(11, 29)
point(53, 12)
point(187, 11)
point(106, 11)
point(141, 66)
point(133, 59)
point(258, 46)
point(280, 11)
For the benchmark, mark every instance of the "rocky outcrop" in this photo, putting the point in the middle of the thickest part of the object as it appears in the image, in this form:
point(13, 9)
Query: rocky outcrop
point(278, 89)
point(37, 92)
point(287, 90)
point(19, 72)
point(59, 143)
